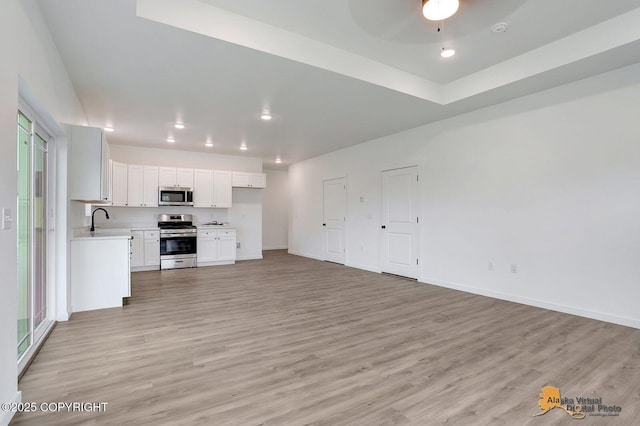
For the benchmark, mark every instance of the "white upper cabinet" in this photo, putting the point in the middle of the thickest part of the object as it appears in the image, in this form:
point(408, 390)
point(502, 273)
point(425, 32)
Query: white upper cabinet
point(172, 176)
point(203, 188)
point(143, 186)
point(184, 177)
point(135, 184)
point(249, 180)
point(89, 171)
point(212, 189)
point(119, 185)
point(166, 176)
point(150, 186)
point(222, 189)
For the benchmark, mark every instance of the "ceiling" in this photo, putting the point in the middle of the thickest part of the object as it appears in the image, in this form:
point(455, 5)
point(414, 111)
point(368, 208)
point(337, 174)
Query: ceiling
point(332, 73)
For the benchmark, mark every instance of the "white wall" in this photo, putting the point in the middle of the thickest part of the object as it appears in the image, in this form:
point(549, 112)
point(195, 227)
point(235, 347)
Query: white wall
point(27, 51)
point(246, 210)
point(549, 182)
point(275, 215)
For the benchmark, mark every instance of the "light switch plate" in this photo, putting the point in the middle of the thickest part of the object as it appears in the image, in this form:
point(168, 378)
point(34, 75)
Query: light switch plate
point(6, 219)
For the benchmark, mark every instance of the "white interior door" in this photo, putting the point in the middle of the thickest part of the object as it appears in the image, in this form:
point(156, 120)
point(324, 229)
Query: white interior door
point(400, 222)
point(334, 215)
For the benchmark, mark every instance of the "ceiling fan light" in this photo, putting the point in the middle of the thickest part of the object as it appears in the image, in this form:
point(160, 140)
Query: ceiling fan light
point(447, 53)
point(437, 10)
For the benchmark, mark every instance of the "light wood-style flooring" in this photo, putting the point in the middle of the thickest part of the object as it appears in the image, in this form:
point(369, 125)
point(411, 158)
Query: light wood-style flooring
point(293, 341)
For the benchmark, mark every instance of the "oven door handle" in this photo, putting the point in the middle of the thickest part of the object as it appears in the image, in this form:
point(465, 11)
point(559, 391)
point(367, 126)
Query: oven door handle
point(178, 236)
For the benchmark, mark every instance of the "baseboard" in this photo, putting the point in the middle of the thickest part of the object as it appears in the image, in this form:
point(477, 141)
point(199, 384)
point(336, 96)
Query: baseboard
point(145, 268)
point(300, 253)
point(573, 310)
point(6, 416)
point(217, 263)
point(249, 257)
point(284, 247)
point(63, 316)
point(375, 269)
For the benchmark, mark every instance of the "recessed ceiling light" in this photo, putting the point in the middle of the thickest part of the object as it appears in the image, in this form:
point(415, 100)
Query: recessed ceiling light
point(447, 53)
point(109, 129)
point(266, 116)
point(170, 139)
point(243, 147)
point(179, 126)
point(278, 160)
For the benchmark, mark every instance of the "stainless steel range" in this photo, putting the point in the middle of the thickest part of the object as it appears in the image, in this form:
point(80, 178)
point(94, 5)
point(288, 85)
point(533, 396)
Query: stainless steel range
point(178, 241)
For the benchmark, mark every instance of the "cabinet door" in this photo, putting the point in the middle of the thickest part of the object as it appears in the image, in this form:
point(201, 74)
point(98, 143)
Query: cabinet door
point(105, 179)
point(207, 246)
point(226, 245)
point(166, 176)
point(241, 179)
point(134, 185)
point(258, 180)
point(152, 252)
point(137, 248)
point(119, 183)
point(184, 177)
point(203, 188)
point(150, 186)
point(222, 189)
point(88, 165)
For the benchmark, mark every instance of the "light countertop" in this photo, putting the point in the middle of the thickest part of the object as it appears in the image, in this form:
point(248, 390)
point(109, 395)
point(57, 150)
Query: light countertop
point(205, 226)
point(101, 234)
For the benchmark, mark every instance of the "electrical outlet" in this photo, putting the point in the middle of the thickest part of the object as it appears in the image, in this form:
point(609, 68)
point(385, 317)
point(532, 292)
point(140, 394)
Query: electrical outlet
point(6, 219)
point(490, 266)
point(514, 268)
point(237, 245)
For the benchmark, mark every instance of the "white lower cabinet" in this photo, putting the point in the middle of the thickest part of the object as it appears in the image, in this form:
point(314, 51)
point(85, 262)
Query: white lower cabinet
point(152, 248)
point(216, 247)
point(137, 249)
point(145, 250)
point(99, 272)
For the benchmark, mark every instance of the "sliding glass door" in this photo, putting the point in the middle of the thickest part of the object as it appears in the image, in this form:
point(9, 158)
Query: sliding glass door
point(32, 231)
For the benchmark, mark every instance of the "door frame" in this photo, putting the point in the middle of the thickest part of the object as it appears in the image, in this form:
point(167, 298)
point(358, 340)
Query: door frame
point(37, 334)
point(346, 215)
point(418, 225)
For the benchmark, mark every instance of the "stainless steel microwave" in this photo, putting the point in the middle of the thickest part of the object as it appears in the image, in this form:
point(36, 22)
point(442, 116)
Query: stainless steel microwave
point(175, 196)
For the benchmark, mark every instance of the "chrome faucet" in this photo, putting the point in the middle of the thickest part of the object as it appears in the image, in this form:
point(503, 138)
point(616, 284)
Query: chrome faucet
point(93, 228)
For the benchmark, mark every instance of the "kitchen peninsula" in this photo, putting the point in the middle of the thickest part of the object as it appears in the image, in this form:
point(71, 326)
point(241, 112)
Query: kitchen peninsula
point(100, 276)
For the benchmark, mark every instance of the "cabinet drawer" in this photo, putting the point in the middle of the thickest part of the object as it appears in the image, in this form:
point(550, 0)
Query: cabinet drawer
point(151, 235)
point(207, 233)
point(228, 232)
